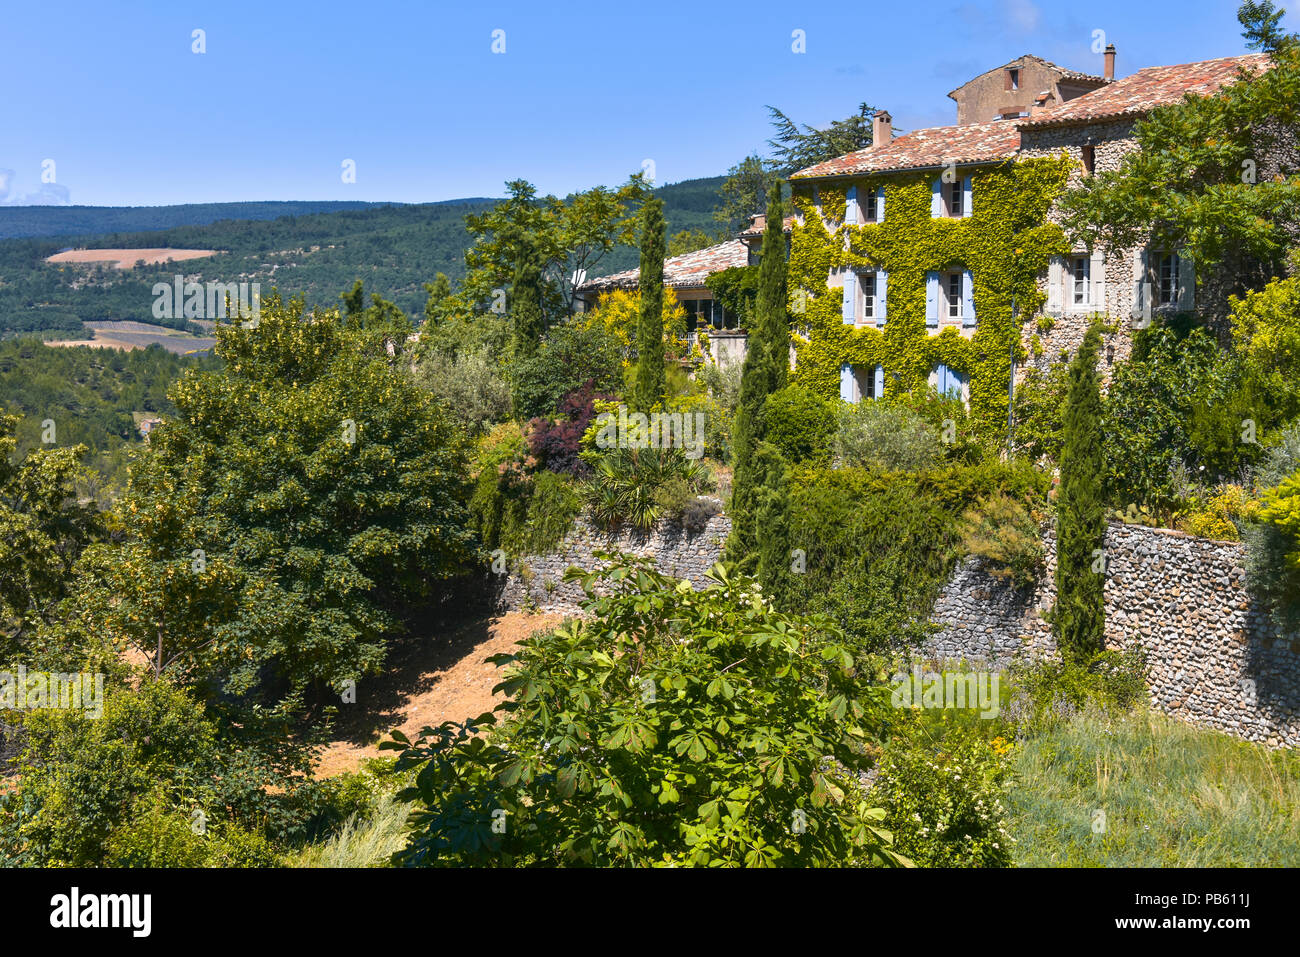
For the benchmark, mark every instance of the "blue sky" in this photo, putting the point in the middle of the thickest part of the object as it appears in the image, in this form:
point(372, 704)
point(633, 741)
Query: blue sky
point(413, 93)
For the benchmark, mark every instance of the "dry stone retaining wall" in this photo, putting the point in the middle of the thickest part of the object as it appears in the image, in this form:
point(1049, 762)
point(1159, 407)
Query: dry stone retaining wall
point(537, 581)
point(1213, 656)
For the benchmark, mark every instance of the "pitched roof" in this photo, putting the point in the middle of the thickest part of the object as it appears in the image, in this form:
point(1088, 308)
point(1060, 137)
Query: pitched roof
point(937, 146)
point(686, 271)
point(1133, 95)
point(758, 225)
point(1143, 91)
point(1065, 74)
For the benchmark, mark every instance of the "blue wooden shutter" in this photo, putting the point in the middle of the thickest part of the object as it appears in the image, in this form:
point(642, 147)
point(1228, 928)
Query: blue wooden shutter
point(880, 204)
point(846, 382)
point(936, 198)
point(880, 382)
point(850, 296)
point(949, 383)
point(965, 197)
point(851, 205)
point(882, 296)
point(932, 299)
point(967, 298)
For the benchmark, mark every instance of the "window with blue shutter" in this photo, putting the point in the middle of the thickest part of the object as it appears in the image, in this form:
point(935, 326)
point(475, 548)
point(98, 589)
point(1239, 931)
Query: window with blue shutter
point(851, 205)
point(850, 296)
point(879, 391)
point(880, 204)
point(931, 298)
point(967, 298)
point(936, 199)
point(846, 382)
point(882, 296)
point(966, 196)
point(948, 382)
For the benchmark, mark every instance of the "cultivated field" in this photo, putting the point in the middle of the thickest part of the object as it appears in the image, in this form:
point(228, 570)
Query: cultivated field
point(139, 335)
point(127, 258)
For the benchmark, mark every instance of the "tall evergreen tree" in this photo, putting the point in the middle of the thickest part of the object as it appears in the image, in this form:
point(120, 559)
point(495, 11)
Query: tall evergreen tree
point(527, 297)
point(1079, 618)
point(766, 369)
point(650, 383)
point(772, 519)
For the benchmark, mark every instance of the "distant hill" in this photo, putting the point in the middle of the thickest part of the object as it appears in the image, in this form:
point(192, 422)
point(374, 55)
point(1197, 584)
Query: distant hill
point(395, 249)
point(23, 222)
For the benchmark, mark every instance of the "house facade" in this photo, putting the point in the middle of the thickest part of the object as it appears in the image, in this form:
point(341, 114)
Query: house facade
point(686, 275)
point(937, 257)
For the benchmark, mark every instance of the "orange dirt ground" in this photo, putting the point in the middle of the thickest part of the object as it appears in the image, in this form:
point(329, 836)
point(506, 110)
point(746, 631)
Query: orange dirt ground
point(427, 683)
point(127, 258)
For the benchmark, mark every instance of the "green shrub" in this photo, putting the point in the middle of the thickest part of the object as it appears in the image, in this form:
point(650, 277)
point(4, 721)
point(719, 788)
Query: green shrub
point(468, 385)
point(1039, 414)
point(237, 847)
point(569, 357)
point(156, 836)
point(638, 487)
point(81, 777)
point(884, 436)
point(1047, 692)
point(876, 551)
point(1006, 535)
point(800, 424)
point(944, 796)
point(523, 513)
point(667, 727)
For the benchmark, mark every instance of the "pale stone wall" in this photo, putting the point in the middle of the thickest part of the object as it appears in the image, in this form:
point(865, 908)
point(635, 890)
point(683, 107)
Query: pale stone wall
point(1111, 141)
point(537, 581)
point(1213, 657)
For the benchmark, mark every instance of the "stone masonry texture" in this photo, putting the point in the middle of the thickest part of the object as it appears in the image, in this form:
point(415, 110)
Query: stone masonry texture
point(1213, 657)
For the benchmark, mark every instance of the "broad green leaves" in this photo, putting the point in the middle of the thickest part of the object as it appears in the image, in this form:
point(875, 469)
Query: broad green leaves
point(670, 726)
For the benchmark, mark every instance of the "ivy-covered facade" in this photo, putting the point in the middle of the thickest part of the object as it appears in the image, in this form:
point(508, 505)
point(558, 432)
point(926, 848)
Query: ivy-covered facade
point(908, 279)
point(935, 259)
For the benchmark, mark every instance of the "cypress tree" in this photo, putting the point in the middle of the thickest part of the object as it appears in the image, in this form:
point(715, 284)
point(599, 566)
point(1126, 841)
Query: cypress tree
point(650, 383)
point(772, 519)
point(1080, 616)
point(766, 369)
point(526, 294)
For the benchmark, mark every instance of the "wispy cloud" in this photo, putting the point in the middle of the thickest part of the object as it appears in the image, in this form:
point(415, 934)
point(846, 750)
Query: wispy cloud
point(50, 194)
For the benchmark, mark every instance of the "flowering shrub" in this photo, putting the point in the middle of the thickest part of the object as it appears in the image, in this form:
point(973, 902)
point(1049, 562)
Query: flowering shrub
point(943, 798)
point(1220, 516)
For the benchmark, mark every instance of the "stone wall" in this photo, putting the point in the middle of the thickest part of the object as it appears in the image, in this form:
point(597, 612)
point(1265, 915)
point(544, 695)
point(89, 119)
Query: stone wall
point(1213, 657)
point(537, 581)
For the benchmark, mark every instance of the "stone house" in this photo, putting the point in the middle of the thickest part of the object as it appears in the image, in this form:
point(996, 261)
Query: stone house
point(686, 276)
point(1046, 111)
point(1014, 89)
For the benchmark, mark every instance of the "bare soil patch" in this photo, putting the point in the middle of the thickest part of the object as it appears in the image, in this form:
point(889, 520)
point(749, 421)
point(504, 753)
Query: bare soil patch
point(439, 679)
point(127, 258)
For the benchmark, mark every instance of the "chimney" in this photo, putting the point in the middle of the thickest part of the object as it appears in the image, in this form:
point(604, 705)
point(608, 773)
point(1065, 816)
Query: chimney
point(1109, 72)
point(882, 128)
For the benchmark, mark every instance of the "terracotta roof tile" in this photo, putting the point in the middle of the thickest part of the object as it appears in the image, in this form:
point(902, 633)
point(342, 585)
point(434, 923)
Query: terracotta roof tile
point(937, 146)
point(686, 271)
point(1133, 95)
point(1143, 91)
point(758, 224)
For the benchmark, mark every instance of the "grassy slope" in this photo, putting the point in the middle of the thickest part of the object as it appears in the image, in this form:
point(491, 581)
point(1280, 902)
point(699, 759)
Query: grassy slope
point(1173, 795)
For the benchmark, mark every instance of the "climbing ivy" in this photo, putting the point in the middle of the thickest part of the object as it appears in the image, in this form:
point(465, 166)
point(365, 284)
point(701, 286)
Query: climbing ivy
point(1005, 244)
